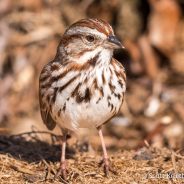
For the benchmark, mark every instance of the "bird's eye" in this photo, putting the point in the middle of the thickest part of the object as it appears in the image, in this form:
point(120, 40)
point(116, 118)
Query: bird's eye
point(90, 38)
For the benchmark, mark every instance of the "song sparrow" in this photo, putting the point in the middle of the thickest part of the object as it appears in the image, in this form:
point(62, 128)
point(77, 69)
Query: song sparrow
point(84, 85)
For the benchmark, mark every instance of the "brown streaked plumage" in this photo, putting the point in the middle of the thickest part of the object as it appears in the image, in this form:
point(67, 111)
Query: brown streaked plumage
point(84, 85)
point(98, 24)
point(68, 83)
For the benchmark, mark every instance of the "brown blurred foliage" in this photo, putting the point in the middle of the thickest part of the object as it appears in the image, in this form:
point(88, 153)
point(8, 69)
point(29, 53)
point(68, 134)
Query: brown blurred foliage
point(152, 32)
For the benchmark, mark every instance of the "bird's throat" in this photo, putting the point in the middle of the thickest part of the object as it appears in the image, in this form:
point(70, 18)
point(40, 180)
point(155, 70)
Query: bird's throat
point(96, 57)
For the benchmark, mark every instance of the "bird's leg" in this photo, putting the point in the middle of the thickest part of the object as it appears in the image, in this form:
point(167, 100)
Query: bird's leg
point(62, 170)
point(63, 161)
point(105, 156)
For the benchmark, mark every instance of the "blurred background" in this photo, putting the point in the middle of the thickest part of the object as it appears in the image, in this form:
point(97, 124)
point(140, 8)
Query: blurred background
point(152, 32)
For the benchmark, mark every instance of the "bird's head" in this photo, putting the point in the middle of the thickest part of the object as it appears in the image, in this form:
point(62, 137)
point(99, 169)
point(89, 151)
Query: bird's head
point(88, 37)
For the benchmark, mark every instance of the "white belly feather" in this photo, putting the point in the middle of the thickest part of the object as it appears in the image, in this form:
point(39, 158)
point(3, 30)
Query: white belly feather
point(88, 114)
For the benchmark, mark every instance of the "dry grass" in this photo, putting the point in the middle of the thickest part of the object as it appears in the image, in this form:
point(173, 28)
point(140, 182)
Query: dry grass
point(34, 161)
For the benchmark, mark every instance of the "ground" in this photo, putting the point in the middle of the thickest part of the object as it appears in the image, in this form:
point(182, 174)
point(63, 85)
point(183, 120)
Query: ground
point(28, 160)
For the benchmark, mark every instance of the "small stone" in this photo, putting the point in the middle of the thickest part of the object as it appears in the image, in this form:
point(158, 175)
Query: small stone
point(143, 154)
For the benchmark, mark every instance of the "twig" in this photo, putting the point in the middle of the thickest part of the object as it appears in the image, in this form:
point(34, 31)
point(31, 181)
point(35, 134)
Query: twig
point(49, 167)
point(35, 132)
point(22, 170)
point(179, 156)
point(173, 158)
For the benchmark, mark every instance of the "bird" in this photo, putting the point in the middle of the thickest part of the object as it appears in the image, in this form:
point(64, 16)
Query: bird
point(83, 86)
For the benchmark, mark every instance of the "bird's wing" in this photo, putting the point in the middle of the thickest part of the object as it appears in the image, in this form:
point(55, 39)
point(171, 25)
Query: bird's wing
point(46, 116)
point(45, 107)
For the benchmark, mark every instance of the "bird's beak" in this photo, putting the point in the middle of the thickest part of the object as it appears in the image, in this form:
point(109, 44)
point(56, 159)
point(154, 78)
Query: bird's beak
point(114, 42)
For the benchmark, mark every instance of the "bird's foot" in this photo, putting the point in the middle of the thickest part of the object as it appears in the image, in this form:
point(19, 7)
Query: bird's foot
point(62, 171)
point(107, 167)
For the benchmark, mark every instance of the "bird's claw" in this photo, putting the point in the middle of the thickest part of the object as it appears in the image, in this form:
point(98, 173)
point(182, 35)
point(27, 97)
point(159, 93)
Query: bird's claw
point(62, 172)
point(107, 167)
